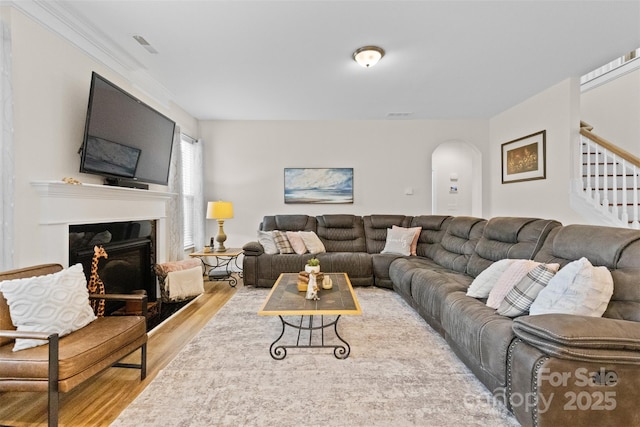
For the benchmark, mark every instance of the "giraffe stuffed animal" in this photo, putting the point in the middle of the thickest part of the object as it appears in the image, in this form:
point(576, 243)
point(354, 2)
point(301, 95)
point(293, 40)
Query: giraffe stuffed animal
point(95, 285)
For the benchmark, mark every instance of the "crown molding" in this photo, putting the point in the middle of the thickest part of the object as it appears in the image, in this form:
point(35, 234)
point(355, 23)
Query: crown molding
point(65, 22)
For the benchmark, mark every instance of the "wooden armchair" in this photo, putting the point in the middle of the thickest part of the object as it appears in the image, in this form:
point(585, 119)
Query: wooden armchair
point(65, 362)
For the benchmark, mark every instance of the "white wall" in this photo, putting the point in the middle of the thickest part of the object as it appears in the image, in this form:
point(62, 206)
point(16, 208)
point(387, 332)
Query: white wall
point(245, 161)
point(555, 110)
point(613, 109)
point(51, 80)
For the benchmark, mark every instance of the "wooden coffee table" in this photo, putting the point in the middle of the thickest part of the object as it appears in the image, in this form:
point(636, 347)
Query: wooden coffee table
point(285, 300)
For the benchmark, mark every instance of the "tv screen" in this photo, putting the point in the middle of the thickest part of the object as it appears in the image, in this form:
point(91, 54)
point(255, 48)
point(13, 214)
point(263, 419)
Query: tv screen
point(124, 137)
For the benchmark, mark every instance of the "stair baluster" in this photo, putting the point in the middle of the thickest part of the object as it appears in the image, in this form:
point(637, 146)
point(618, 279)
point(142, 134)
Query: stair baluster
point(596, 192)
point(635, 224)
point(624, 216)
point(587, 145)
point(607, 178)
point(614, 184)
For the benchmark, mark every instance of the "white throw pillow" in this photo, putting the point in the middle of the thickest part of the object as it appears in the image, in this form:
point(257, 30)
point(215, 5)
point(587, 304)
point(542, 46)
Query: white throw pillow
point(486, 280)
point(312, 242)
point(512, 275)
point(578, 288)
point(55, 303)
point(416, 237)
point(265, 238)
point(399, 241)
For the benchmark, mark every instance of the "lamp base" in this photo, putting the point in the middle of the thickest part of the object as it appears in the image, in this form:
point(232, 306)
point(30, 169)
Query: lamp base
point(221, 237)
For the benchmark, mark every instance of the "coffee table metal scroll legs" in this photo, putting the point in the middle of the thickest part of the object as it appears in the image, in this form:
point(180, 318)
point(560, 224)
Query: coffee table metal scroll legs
point(340, 351)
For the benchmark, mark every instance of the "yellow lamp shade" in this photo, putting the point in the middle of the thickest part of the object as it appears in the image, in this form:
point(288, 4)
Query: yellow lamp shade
point(219, 210)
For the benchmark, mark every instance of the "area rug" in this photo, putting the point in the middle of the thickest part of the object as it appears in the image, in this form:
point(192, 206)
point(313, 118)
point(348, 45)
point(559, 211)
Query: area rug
point(399, 373)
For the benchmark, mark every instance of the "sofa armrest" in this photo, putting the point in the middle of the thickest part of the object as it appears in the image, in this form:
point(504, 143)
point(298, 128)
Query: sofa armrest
point(119, 297)
point(253, 249)
point(140, 297)
point(582, 338)
point(13, 334)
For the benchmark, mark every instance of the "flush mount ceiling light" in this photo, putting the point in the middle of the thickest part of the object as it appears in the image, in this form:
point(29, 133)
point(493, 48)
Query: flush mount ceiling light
point(368, 56)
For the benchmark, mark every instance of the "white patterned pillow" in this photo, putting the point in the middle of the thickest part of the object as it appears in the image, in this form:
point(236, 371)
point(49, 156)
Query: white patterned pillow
point(265, 238)
point(578, 288)
point(519, 299)
point(57, 302)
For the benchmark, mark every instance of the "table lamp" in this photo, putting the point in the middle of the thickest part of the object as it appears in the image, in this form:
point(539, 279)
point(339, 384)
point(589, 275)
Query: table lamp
point(220, 211)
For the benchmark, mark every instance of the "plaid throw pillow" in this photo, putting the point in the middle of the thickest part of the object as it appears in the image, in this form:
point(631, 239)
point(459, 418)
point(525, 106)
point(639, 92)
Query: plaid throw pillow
point(282, 243)
point(519, 299)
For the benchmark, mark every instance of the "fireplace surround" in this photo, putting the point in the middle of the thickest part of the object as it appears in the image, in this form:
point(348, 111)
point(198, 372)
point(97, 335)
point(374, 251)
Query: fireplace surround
point(65, 205)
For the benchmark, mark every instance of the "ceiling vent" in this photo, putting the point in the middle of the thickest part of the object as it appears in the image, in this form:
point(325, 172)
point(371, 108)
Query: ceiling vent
point(145, 44)
point(399, 115)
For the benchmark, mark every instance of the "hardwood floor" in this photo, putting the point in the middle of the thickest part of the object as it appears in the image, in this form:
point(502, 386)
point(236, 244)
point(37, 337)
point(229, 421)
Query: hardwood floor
point(99, 401)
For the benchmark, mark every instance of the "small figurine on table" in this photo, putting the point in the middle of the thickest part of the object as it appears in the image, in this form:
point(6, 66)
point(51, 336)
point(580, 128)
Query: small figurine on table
point(312, 288)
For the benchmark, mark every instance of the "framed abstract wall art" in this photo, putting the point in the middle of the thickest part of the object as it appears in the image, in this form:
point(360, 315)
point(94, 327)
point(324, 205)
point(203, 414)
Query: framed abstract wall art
point(318, 185)
point(523, 159)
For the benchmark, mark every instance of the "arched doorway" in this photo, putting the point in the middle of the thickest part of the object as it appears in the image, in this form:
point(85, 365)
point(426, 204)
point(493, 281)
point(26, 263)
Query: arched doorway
point(456, 172)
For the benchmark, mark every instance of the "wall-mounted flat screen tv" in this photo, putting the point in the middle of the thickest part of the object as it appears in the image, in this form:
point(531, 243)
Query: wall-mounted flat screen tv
point(124, 137)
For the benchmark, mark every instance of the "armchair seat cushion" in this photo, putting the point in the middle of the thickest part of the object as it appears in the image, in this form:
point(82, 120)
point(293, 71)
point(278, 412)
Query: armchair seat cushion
point(82, 353)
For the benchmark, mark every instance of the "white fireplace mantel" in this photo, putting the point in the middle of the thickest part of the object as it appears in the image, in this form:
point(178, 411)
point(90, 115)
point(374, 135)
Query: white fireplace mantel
point(63, 204)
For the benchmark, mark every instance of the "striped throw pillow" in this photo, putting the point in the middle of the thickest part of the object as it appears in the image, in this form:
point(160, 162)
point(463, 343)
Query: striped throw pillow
point(282, 243)
point(519, 299)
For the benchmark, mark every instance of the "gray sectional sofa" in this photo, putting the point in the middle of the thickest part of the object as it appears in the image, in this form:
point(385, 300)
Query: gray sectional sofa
point(551, 369)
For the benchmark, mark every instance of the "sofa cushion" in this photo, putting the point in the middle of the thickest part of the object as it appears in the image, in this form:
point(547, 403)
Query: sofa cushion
point(401, 271)
point(480, 335)
point(357, 265)
point(578, 288)
point(78, 351)
point(509, 237)
point(459, 242)
point(288, 223)
point(433, 228)
point(341, 233)
point(381, 265)
point(430, 287)
point(519, 299)
point(57, 302)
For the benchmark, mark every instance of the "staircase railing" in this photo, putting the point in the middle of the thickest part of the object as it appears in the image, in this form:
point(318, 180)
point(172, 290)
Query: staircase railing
point(610, 177)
